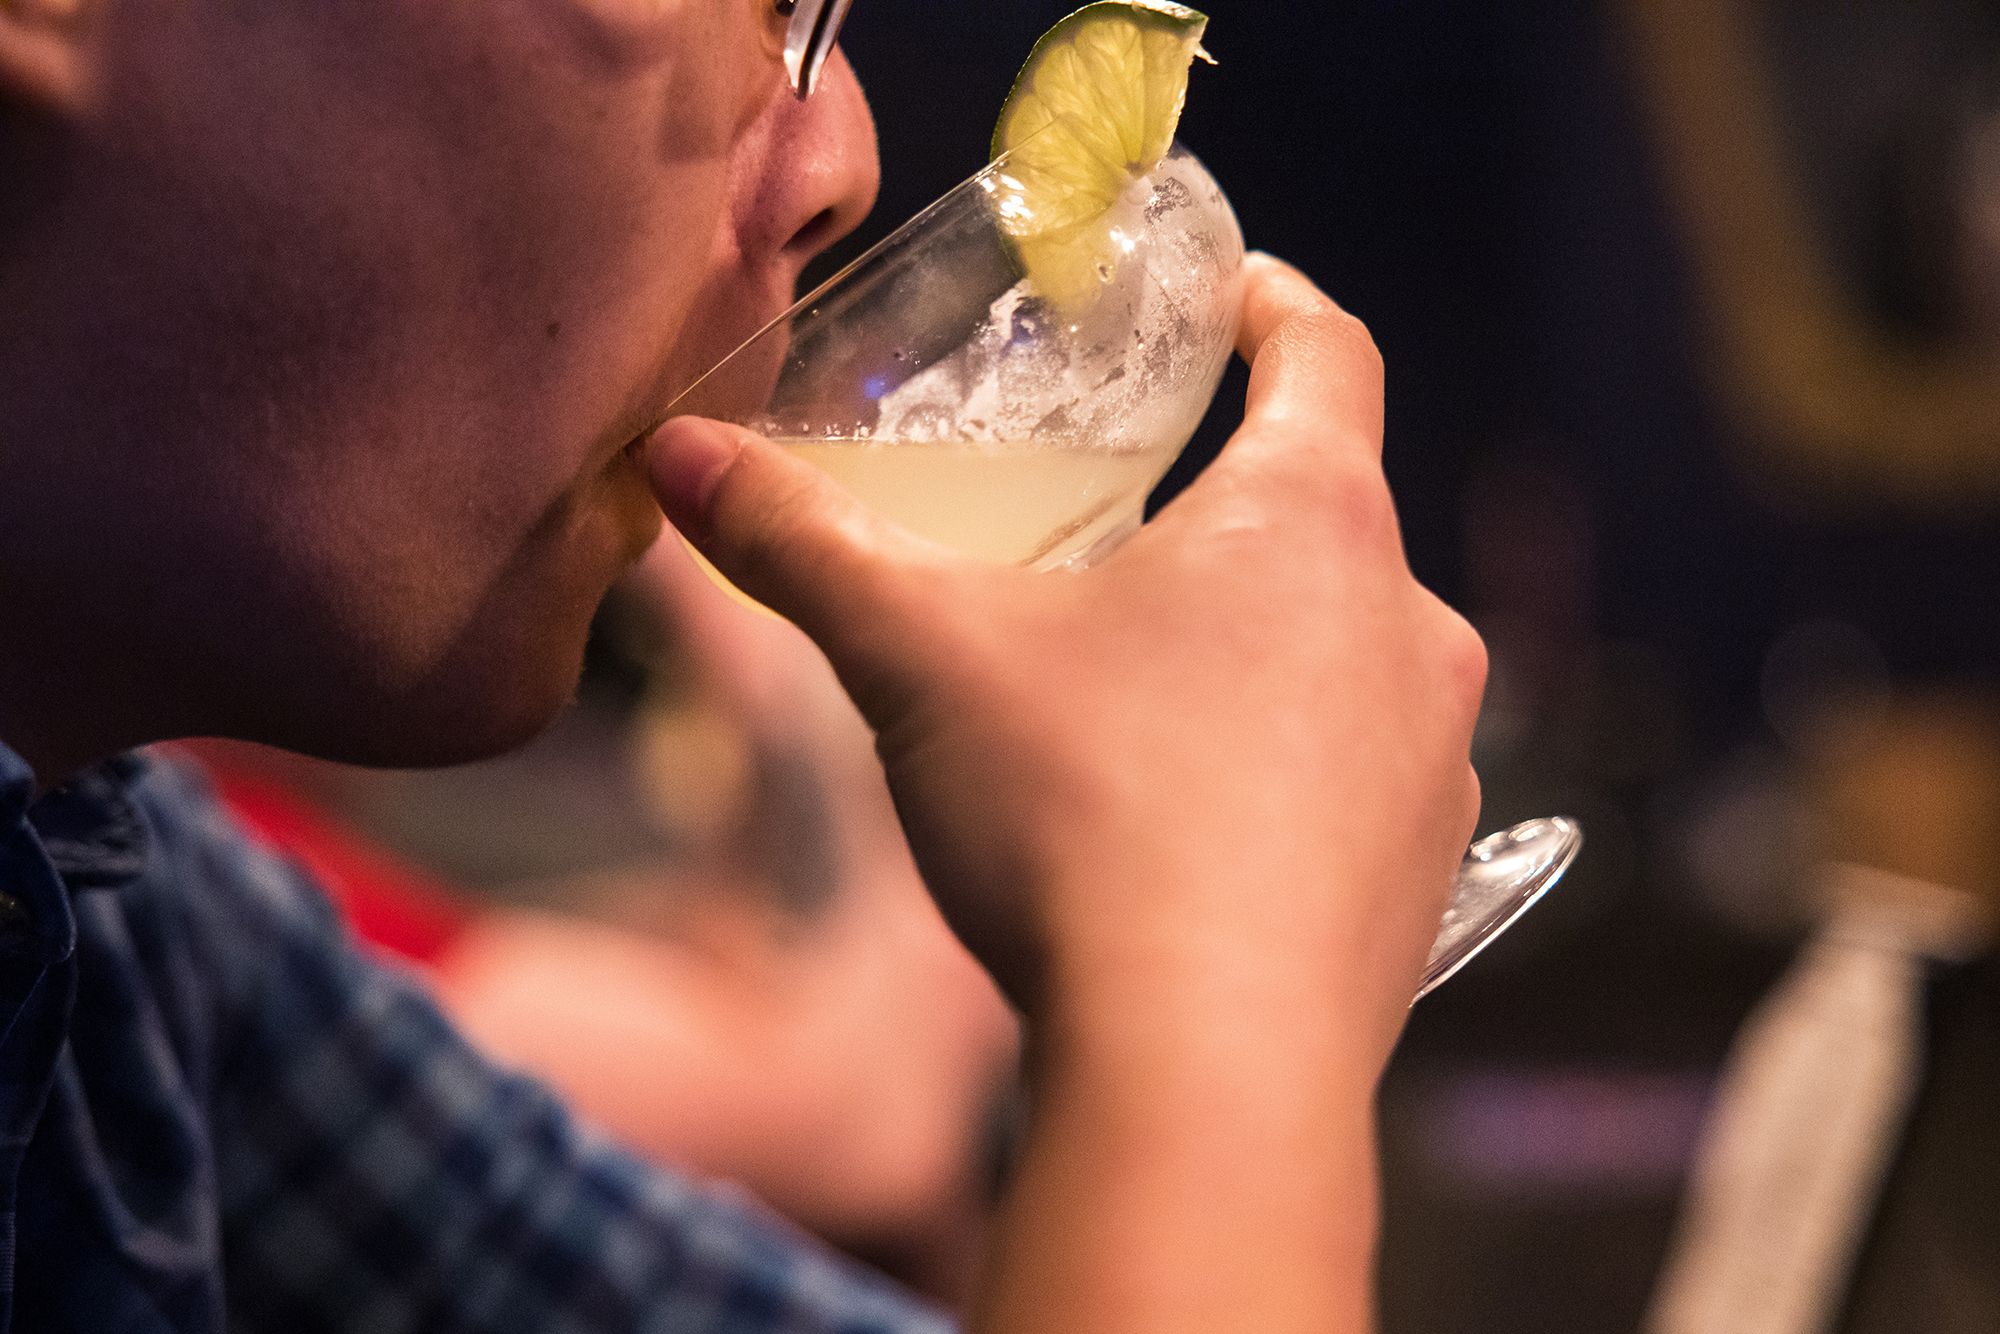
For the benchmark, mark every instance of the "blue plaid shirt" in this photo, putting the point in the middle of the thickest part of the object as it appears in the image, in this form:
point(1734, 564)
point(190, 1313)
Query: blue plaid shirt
point(216, 1115)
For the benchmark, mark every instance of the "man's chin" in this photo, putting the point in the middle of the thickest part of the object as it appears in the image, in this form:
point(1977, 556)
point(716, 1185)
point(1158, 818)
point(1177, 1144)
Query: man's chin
point(444, 748)
point(418, 747)
point(469, 719)
point(410, 697)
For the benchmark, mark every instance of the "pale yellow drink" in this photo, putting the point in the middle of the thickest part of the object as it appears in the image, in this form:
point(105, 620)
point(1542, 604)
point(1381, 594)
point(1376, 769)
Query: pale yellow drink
point(1034, 503)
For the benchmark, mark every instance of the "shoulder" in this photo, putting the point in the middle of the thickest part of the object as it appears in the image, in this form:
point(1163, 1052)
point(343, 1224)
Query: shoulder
point(345, 1108)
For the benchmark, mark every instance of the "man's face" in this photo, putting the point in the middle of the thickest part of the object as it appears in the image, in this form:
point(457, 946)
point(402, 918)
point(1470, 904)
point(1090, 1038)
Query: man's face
point(369, 301)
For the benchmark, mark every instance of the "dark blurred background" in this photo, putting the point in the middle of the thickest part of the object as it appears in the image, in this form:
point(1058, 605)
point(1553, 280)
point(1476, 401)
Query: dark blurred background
point(1581, 279)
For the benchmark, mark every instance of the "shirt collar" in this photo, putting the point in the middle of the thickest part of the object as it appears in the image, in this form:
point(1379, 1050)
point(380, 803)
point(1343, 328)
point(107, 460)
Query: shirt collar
point(17, 789)
point(89, 828)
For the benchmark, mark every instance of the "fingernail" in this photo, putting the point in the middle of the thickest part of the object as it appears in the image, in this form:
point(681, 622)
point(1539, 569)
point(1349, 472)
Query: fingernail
point(686, 459)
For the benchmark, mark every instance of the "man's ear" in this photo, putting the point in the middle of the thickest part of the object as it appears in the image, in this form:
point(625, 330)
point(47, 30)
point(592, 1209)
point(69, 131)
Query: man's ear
point(45, 53)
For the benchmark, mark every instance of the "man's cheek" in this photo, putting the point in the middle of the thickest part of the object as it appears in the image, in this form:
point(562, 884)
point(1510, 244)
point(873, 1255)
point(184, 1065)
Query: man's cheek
point(625, 34)
point(722, 58)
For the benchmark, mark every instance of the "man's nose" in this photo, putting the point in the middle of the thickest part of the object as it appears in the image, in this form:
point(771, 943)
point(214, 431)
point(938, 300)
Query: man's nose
point(817, 175)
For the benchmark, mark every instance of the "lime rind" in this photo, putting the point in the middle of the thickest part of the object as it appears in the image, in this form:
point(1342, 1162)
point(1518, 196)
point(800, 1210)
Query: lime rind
point(1165, 72)
point(1093, 110)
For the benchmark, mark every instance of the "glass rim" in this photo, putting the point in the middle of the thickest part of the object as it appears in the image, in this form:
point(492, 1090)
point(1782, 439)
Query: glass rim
point(997, 167)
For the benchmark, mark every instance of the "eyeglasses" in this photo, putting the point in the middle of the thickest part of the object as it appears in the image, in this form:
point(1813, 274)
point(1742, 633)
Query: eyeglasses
point(809, 39)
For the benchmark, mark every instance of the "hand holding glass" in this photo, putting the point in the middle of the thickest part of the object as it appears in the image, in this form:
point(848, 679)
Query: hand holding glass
point(949, 394)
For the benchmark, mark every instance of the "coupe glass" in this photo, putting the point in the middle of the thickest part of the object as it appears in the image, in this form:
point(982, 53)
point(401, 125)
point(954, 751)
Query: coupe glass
point(954, 396)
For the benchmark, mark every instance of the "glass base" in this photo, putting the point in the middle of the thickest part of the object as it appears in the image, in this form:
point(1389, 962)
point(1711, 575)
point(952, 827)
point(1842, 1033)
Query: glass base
point(1503, 875)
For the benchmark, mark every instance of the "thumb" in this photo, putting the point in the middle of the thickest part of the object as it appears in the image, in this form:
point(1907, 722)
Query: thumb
point(789, 536)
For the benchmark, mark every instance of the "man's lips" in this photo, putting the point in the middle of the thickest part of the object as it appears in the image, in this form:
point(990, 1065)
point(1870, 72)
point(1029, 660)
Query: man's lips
point(730, 380)
point(741, 384)
point(736, 351)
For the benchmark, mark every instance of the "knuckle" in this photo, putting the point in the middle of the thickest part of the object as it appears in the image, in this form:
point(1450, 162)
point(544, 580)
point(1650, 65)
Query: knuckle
point(1354, 496)
point(1463, 657)
point(1318, 369)
point(1325, 332)
point(1362, 351)
point(1340, 339)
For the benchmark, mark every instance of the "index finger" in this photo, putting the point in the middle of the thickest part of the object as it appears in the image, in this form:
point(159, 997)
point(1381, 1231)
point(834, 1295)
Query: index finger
point(1312, 365)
